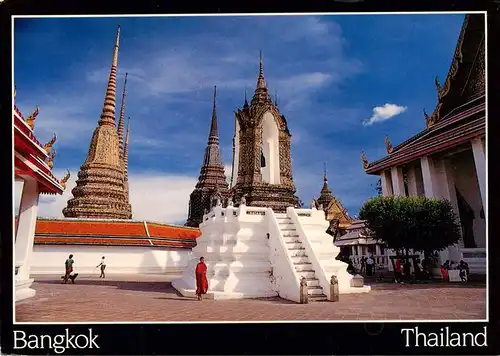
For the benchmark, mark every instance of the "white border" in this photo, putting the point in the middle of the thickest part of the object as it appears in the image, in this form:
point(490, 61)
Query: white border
point(259, 14)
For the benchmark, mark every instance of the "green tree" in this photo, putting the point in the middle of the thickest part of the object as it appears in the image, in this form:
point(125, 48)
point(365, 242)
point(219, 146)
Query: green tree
point(418, 223)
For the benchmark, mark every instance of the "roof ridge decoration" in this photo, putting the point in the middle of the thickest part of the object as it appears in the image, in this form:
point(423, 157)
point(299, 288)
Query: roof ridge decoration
point(50, 161)
point(364, 160)
point(30, 120)
point(388, 145)
point(442, 91)
point(48, 146)
point(64, 180)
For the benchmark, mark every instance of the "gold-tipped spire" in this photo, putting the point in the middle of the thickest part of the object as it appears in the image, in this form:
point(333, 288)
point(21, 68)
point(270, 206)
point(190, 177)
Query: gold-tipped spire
point(50, 161)
point(324, 172)
point(108, 111)
point(122, 117)
point(14, 94)
point(48, 146)
point(64, 180)
point(261, 82)
point(30, 120)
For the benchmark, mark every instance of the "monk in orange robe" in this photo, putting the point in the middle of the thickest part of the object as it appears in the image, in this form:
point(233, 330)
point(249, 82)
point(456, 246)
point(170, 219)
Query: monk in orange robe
point(201, 279)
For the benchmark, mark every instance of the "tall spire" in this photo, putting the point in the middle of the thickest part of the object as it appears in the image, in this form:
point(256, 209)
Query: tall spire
point(213, 125)
point(108, 111)
point(125, 151)
point(212, 152)
point(122, 117)
point(276, 97)
point(212, 179)
point(261, 95)
point(245, 105)
point(99, 191)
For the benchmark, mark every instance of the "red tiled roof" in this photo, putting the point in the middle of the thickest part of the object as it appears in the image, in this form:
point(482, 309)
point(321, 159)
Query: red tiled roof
point(113, 233)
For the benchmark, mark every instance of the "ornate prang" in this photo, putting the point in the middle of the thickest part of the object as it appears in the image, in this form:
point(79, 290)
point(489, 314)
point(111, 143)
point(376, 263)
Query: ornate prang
point(212, 186)
point(100, 191)
point(50, 161)
point(314, 204)
point(277, 192)
point(388, 145)
point(30, 120)
point(64, 180)
point(48, 145)
point(364, 160)
point(121, 121)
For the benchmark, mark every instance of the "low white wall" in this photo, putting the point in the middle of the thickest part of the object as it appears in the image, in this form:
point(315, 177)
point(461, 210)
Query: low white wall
point(49, 259)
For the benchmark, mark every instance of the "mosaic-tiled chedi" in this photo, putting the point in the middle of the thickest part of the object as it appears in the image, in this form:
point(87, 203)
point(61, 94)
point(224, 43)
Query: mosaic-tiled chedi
point(262, 168)
point(212, 185)
point(100, 187)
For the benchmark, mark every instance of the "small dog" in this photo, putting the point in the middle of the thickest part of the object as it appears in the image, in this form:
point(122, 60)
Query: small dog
point(72, 277)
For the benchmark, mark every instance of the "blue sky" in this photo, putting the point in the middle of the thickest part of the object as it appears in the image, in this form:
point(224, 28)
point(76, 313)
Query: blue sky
point(332, 75)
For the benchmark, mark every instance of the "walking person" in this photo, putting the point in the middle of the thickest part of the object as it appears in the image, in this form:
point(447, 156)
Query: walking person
point(370, 263)
point(201, 278)
point(68, 267)
point(103, 267)
point(397, 270)
point(464, 271)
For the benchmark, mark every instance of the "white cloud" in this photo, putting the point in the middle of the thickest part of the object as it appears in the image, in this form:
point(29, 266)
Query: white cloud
point(154, 196)
point(383, 113)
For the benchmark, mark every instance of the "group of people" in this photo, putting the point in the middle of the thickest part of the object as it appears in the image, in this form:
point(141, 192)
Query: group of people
point(462, 266)
point(70, 275)
point(366, 266)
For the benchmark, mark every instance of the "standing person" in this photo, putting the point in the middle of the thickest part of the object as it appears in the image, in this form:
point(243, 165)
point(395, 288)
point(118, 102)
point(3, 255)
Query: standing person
point(201, 278)
point(464, 271)
point(397, 270)
point(363, 265)
point(369, 266)
point(103, 267)
point(68, 266)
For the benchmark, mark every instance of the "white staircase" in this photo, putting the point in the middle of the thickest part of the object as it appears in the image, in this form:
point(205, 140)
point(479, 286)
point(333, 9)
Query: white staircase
point(297, 252)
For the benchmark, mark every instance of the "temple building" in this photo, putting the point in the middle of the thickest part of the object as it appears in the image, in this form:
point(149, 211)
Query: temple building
point(33, 163)
point(212, 185)
point(98, 219)
point(448, 158)
point(101, 188)
point(262, 167)
point(335, 213)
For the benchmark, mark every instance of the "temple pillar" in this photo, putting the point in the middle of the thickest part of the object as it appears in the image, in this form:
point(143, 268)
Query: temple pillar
point(480, 162)
point(25, 236)
point(385, 179)
point(398, 185)
point(411, 178)
point(353, 251)
point(428, 176)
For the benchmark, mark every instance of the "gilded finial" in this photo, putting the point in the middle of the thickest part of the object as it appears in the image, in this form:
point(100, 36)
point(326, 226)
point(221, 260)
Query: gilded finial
point(50, 162)
point(30, 120)
point(64, 180)
point(276, 97)
point(48, 145)
point(14, 94)
point(324, 171)
point(364, 160)
point(388, 145)
point(439, 89)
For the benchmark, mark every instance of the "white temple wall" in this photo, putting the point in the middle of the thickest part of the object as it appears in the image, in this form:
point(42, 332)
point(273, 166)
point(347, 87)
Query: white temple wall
point(49, 259)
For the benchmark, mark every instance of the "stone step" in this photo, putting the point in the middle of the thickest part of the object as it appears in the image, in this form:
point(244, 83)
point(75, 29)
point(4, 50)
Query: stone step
point(288, 229)
point(299, 259)
point(291, 239)
point(317, 298)
point(307, 274)
point(286, 226)
point(281, 216)
point(297, 252)
point(312, 282)
point(294, 245)
point(303, 266)
point(314, 290)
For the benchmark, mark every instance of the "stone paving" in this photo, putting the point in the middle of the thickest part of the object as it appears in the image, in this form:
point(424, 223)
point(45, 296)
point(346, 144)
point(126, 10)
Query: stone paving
point(151, 299)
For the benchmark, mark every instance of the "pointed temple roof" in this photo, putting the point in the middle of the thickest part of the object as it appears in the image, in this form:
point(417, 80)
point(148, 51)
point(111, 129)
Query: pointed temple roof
point(100, 188)
point(460, 112)
point(125, 166)
point(325, 196)
point(212, 179)
point(333, 208)
point(261, 94)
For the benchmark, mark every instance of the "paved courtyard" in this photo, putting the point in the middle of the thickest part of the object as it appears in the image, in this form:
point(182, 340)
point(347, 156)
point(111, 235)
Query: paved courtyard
point(150, 299)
